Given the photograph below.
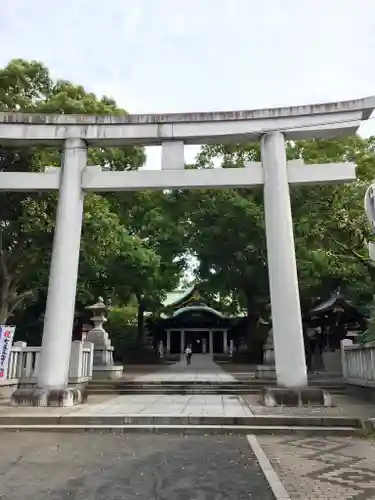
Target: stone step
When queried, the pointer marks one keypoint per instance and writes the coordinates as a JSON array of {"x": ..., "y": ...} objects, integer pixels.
[
  {"x": 171, "y": 393},
  {"x": 186, "y": 429},
  {"x": 191, "y": 387},
  {"x": 172, "y": 383},
  {"x": 182, "y": 392},
  {"x": 325, "y": 421},
  {"x": 187, "y": 389},
  {"x": 188, "y": 384},
  {"x": 171, "y": 386},
  {"x": 125, "y": 385}
]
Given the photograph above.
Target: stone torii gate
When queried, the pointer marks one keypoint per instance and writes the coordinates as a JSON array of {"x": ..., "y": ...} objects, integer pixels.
[{"x": 172, "y": 131}]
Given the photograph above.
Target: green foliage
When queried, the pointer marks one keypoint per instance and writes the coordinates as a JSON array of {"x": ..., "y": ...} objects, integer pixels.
[
  {"x": 330, "y": 225},
  {"x": 27, "y": 220},
  {"x": 136, "y": 246},
  {"x": 118, "y": 257},
  {"x": 122, "y": 327},
  {"x": 121, "y": 316},
  {"x": 226, "y": 228},
  {"x": 153, "y": 220},
  {"x": 369, "y": 334}
]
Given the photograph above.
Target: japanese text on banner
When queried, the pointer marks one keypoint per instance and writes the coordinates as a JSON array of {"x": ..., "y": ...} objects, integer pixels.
[{"x": 6, "y": 341}]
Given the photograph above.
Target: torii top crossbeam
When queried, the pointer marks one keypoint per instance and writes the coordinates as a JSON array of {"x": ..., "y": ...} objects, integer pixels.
[{"x": 296, "y": 122}]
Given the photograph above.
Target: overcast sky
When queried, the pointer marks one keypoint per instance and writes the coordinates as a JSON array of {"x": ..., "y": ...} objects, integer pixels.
[{"x": 199, "y": 55}]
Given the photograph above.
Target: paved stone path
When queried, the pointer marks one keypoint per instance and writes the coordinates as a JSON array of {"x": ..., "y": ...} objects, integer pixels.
[
  {"x": 191, "y": 405},
  {"x": 323, "y": 469},
  {"x": 202, "y": 369},
  {"x": 131, "y": 405},
  {"x": 184, "y": 405},
  {"x": 142, "y": 467}
]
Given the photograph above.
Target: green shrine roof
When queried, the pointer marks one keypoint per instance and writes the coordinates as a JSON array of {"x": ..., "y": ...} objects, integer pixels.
[
  {"x": 177, "y": 296},
  {"x": 337, "y": 300},
  {"x": 198, "y": 308}
]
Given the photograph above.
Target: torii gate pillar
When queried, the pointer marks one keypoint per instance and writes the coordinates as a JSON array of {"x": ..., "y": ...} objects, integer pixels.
[
  {"x": 289, "y": 348},
  {"x": 56, "y": 343}
]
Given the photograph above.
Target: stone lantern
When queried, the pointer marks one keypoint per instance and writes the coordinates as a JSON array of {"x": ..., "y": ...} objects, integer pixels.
[
  {"x": 268, "y": 350},
  {"x": 103, "y": 350},
  {"x": 267, "y": 369}
]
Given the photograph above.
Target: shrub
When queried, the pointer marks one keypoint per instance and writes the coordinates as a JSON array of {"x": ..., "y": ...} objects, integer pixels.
[{"x": 123, "y": 331}]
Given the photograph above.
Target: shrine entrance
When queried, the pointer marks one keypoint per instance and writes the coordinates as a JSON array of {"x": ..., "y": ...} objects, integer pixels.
[
  {"x": 198, "y": 341},
  {"x": 188, "y": 320}
]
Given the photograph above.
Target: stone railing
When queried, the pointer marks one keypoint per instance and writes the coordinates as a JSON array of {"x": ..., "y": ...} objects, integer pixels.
[
  {"x": 81, "y": 361},
  {"x": 24, "y": 360},
  {"x": 358, "y": 363}
]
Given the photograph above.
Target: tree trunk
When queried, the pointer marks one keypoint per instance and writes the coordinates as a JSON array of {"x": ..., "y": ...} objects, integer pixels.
[
  {"x": 10, "y": 301},
  {"x": 140, "y": 321},
  {"x": 5, "y": 282},
  {"x": 4, "y": 313},
  {"x": 254, "y": 336},
  {"x": 4, "y": 301},
  {"x": 308, "y": 343}
]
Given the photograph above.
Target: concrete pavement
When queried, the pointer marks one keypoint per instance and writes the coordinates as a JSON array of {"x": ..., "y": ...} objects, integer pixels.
[
  {"x": 113, "y": 467},
  {"x": 135, "y": 467}
]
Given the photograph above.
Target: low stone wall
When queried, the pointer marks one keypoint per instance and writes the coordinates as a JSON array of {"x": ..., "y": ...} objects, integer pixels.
[
  {"x": 358, "y": 363},
  {"x": 360, "y": 392}
]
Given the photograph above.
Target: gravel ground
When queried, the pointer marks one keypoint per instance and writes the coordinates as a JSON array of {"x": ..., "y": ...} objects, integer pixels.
[{"x": 143, "y": 467}]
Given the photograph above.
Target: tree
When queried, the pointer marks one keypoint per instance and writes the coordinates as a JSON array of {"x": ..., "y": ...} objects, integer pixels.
[
  {"x": 226, "y": 229},
  {"x": 225, "y": 233},
  {"x": 130, "y": 241},
  {"x": 151, "y": 217},
  {"x": 27, "y": 221},
  {"x": 122, "y": 324},
  {"x": 331, "y": 228}
]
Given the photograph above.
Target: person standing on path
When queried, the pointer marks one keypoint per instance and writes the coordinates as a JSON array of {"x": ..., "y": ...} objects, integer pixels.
[{"x": 188, "y": 354}]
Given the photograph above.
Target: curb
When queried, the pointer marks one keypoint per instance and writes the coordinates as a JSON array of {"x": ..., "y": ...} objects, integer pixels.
[
  {"x": 269, "y": 472},
  {"x": 182, "y": 429}
]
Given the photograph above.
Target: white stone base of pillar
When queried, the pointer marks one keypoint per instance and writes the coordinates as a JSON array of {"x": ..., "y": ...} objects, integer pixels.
[
  {"x": 8, "y": 387},
  {"x": 107, "y": 372},
  {"x": 307, "y": 396},
  {"x": 265, "y": 372},
  {"x": 103, "y": 368},
  {"x": 103, "y": 355},
  {"x": 47, "y": 397}
]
